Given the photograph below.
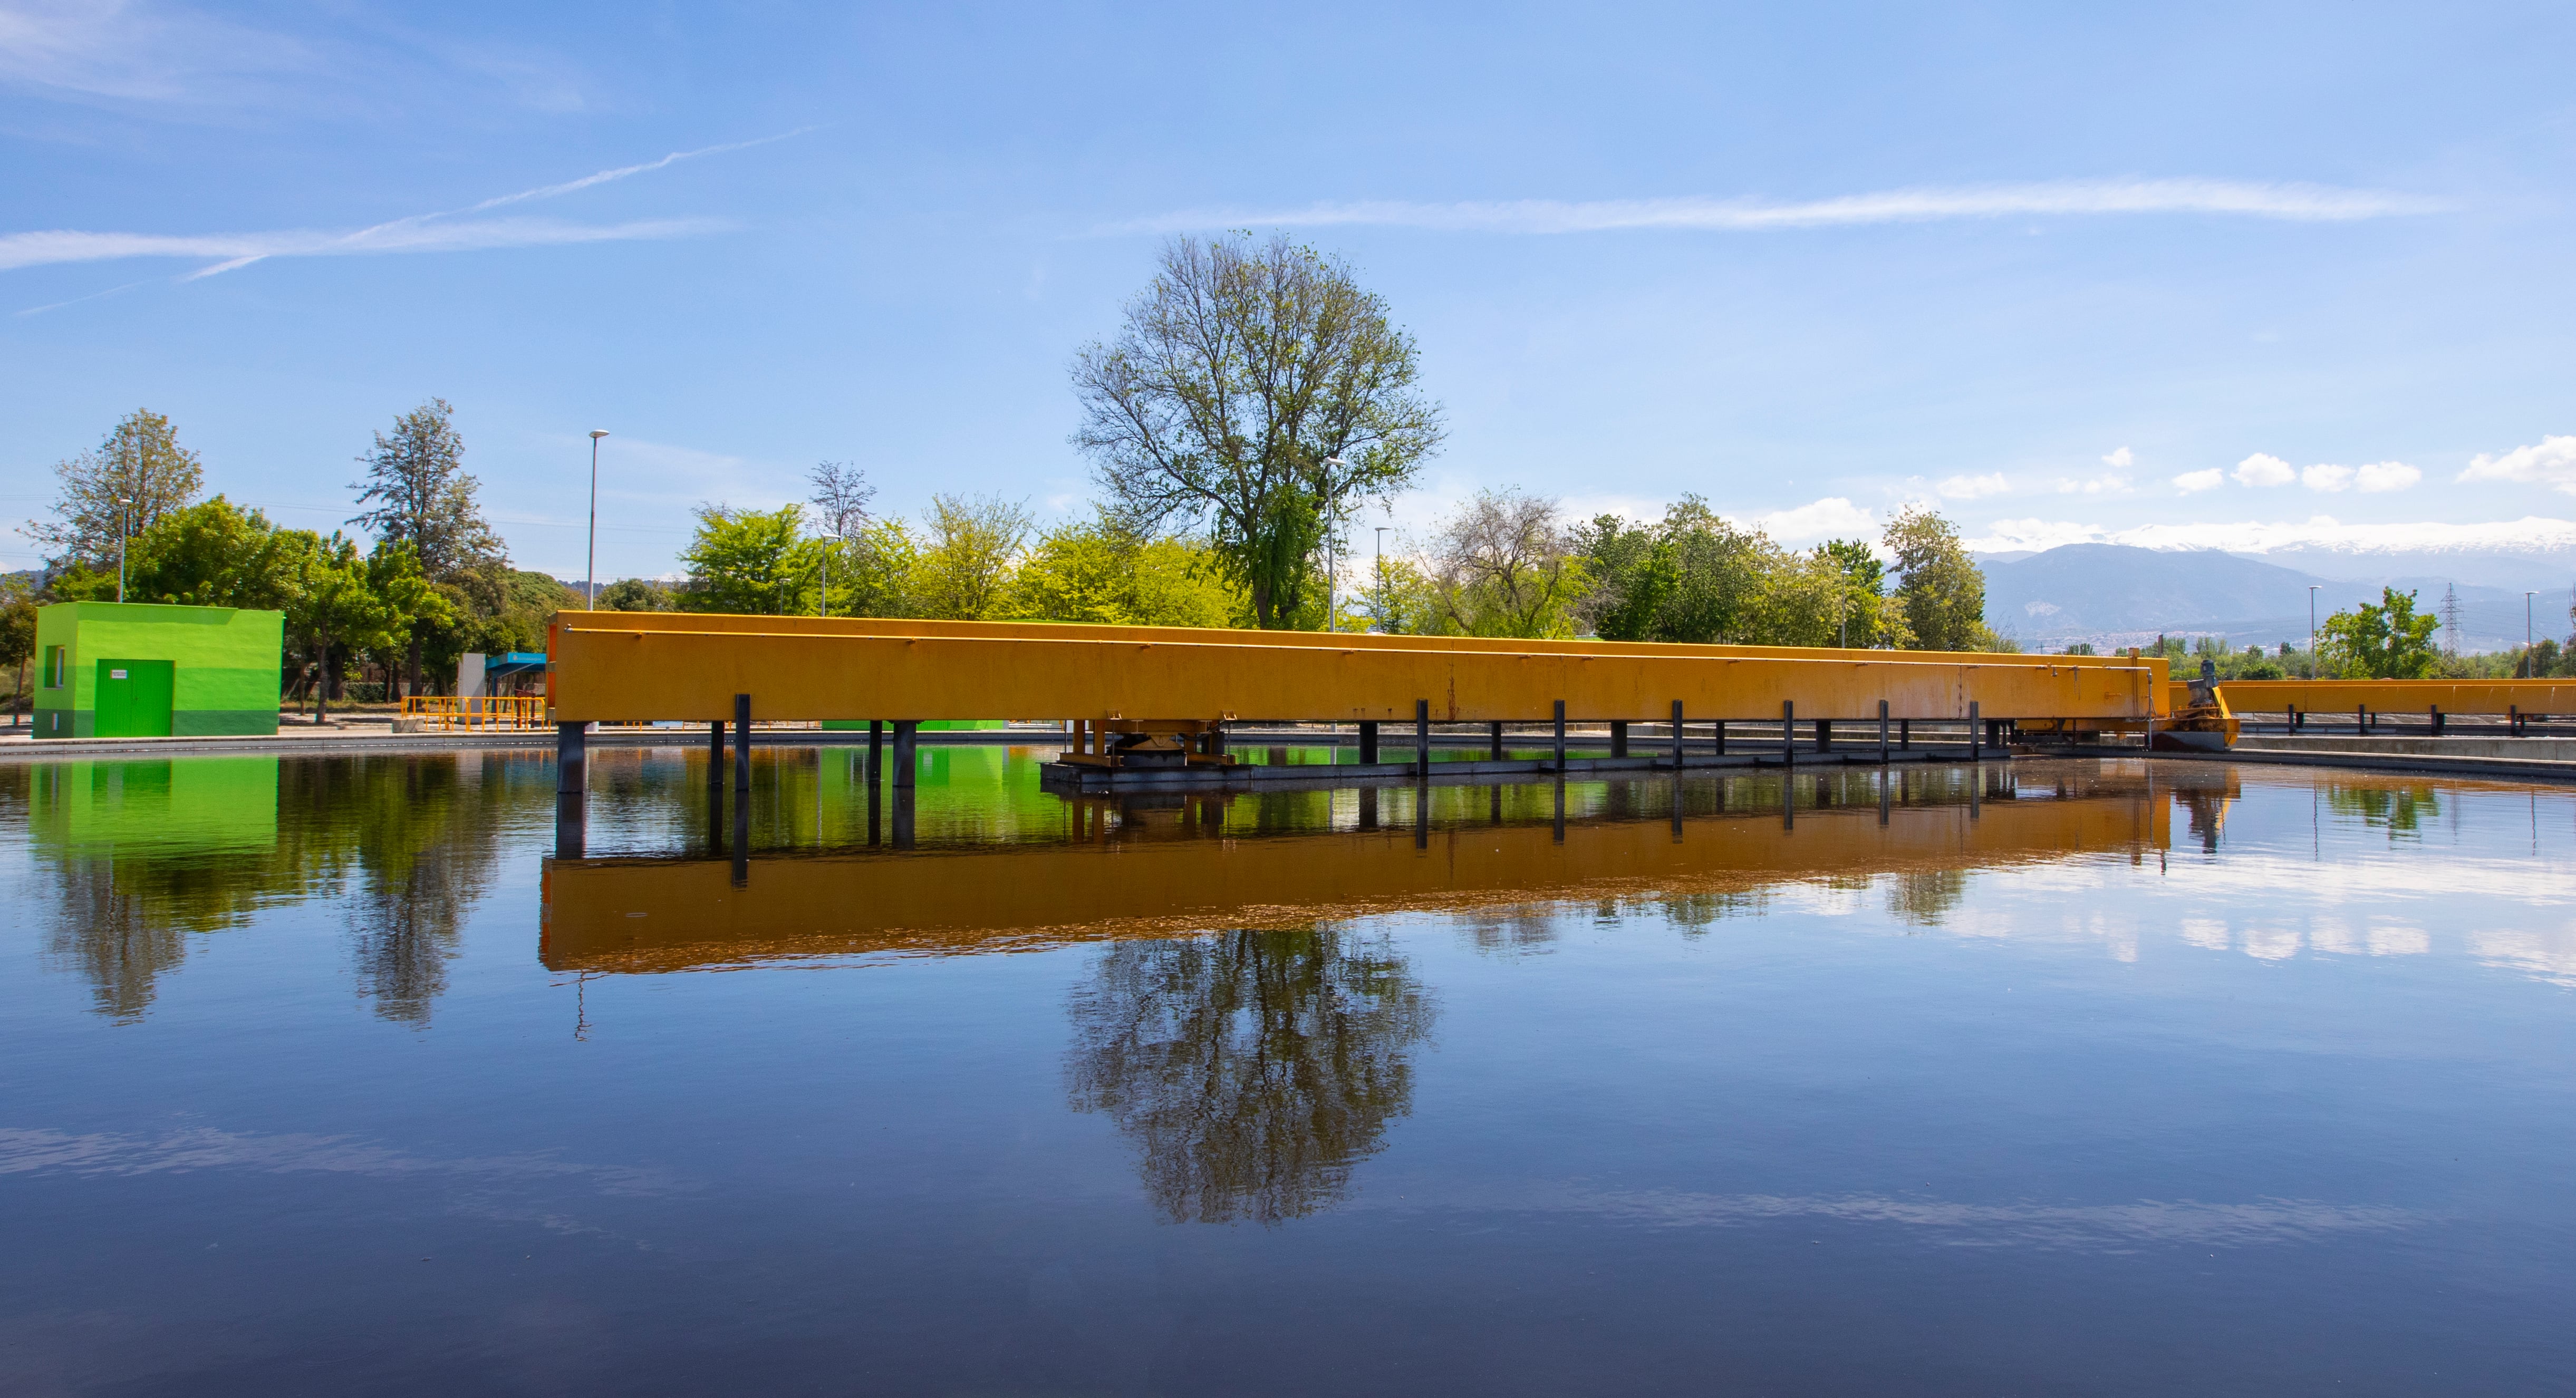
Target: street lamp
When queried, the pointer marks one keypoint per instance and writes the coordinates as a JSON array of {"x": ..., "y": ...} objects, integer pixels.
[
  {"x": 125, "y": 531},
  {"x": 1332, "y": 551},
  {"x": 590, "y": 581},
  {"x": 2529, "y": 670},
  {"x": 2312, "y": 632}
]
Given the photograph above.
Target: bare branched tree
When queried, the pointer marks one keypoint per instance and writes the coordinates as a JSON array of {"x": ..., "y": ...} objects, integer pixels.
[
  {"x": 841, "y": 496},
  {"x": 1259, "y": 393},
  {"x": 1504, "y": 565},
  {"x": 135, "y": 476}
]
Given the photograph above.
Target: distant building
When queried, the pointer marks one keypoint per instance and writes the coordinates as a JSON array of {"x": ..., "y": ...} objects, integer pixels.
[{"x": 140, "y": 670}]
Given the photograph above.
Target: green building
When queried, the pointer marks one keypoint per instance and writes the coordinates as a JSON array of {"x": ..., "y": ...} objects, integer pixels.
[{"x": 139, "y": 670}]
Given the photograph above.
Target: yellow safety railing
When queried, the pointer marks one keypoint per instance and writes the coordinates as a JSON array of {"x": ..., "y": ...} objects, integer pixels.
[{"x": 448, "y": 712}]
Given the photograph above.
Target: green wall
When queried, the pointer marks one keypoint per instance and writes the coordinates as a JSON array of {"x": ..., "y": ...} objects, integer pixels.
[{"x": 225, "y": 664}]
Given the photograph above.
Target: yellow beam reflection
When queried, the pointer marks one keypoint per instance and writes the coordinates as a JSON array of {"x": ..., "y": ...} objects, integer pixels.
[{"x": 1155, "y": 877}]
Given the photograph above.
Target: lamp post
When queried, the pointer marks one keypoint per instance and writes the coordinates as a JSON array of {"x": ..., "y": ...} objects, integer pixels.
[
  {"x": 2312, "y": 631},
  {"x": 1332, "y": 551},
  {"x": 124, "y": 531},
  {"x": 1381, "y": 562},
  {"x": 590, "y": 580}
]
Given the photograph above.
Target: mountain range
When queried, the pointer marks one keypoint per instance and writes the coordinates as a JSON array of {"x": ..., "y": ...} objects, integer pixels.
[{"x": 2118, "y": 595}]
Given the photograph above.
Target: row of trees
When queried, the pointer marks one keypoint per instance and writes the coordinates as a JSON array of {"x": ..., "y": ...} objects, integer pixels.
[{"x": 434, "y": 583}]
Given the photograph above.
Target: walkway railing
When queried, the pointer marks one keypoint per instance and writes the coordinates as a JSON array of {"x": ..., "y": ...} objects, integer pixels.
[{"x": 449, "y": 713}]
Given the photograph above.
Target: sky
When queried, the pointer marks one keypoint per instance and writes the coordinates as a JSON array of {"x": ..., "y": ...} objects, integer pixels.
[{"x": 2176, "y": 274}]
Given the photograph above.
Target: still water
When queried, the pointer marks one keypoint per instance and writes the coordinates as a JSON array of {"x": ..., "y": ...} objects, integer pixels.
[{"x": 328, "y": 1075}]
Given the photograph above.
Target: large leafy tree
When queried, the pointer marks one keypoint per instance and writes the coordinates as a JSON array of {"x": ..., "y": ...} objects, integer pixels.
[
  {"x": 1941, "y": 593},
  {"x": 749, "y": 562},
  {"x": 122, "y": 487},
  {"x": 1103, "y": 570},
  {"x": 2383, "y": 640},
  {"x": 1692, "y": 578},
  {"x": 418, "y": 494},
  {"x": 214, "y": 554},
  {"x": 1260, "y": 393},
  {"x": 17, "y": 638},
  {"x": 966, "y": 561}
]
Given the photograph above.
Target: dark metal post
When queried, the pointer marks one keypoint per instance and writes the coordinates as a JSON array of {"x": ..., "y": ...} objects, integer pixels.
[
  {"x": 570, "y": 826},
  {"x": 907, "y": 737},
  {"x": 1976, "y": 753},
  {"x": 1618, "y": 737},
  {"x": 1368, "y": 741},
  {"x": 2437, "y": 720},
  {"x": 1422, "y": 738},
  {"x": 1884, "y": 787},
  {"x": 1677, "y": 749},
  {"x": 2294, "y": 718},
  {"x": 715, "y": 753},
  {"x": 741, "y": 842},
  {"x": 2513, "y": 720},
  {"x": 1788, "y": 733},
  {"x": 876, "y": 749},
  {"x": 1368, "y": 808},
  {"x": 1824, "y": 735},
  {"x": 571, "y": 748},
  {"x": 1560, "y": 752},
  {"x": 2360, "y": 720},
  {"x": 1720, "y": 726},
  {"x": 1560, "y": 806},
  {"x": 1494, "y": 737},
  {"x": 1904, "y": 734},
  {"x": 903, "y": 796},
  {"x": 1882, "y": 732},
  {"x": 742, "y": 742}
]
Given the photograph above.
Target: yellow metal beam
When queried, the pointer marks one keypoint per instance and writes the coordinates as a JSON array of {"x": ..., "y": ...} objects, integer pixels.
[
  {"x": 2401, "y": 696},
  {"x": 659, "y": 665}
]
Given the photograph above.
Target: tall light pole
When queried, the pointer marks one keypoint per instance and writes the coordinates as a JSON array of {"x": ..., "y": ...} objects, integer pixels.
[
  {"x": 590, "y": 582},
  {"x": 125, "y": 530},
  {"x": 1332, "y": 551},
  {"x": 2312, "y": 631}
]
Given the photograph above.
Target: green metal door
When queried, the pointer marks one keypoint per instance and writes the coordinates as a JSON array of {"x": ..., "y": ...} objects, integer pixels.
[{"x": 134, "y": 699}]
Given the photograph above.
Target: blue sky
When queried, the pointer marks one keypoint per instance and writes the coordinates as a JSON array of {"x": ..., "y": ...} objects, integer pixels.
[{"x": 2181, "y": 274}]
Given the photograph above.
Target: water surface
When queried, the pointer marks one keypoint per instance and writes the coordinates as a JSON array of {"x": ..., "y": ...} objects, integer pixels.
[{"x": 329, "y": 1075}]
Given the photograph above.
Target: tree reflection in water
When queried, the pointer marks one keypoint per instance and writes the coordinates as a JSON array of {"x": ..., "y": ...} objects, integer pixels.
[{"x": 1250, "y": 1069}]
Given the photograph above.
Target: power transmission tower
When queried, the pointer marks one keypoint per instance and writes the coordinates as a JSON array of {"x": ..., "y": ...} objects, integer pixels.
[{"x": 2451, "y": 620}]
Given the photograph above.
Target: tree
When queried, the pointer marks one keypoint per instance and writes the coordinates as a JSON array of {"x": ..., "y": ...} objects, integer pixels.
[
  {"x": 1693, "y": 578},
  {"x": 964, "y": 571},
  {"x": 2384, "y": 640},
  {"x": 1258, "y": 393},
  {"x": 1865, "y": 618},
  {"x": 332, "y": 606},
  {"x": 213, "y": 554},
  {"x": 749, "y": 562},
  {"x": 1941, "y": 594},
  {"x": 1104, "y": 571},
  {"x": 410, "y": 605},
  {"x": 422, "y": 497},
  {"x": 841, "y": 496},
  {"x": 140, "y": 461},
  {"x": 635, "y": 595},
  {"x": 17, "y": 638},
  {"x": 1503, "y": 565}
]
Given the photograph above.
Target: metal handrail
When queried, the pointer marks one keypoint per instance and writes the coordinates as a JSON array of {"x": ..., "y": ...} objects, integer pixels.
[{"x": 474, "y": 713}]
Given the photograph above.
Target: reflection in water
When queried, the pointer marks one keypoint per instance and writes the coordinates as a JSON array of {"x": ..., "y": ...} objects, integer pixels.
[
  {"x": 2399, "y": 810},
  {"x": 133, "y": 857},
  {"x": 1250, "y": 1069}
]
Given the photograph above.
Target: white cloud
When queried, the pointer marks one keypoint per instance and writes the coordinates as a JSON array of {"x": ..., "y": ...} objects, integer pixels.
[
  {"x": 1970, "y": 487},
  {"x": 2386, "y": 475},
  {"x": 2191, "y": 482},
  {"x": 2530, "y": 534},
  {"x": 2120, "y": 460},
  {"x": 2551, "y": 462},
  {"x": 2107, "y": 483},
  {"x": 2326, "y": 478},
  {"x": 1833, "y": 517},
  {"x": 2033, "y": 536},
  {"x": 2260, "y": 469},
  {"x": 2300, "y": 202}
]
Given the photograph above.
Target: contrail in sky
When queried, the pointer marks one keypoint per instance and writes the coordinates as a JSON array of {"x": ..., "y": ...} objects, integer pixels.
[{"x": 2056, "y": 198}]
